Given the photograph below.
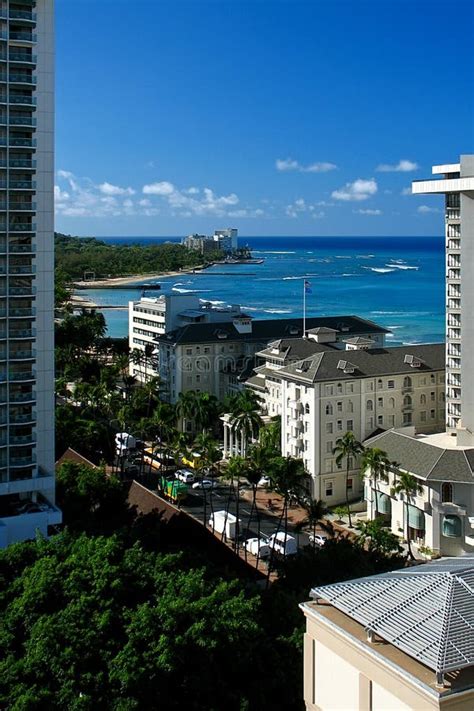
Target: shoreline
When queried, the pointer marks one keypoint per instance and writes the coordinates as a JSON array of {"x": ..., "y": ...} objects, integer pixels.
[{"x": 136, "y": 279}]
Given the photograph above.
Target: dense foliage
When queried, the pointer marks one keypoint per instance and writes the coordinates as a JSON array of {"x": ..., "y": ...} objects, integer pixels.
[{"x": 77, "y": 255}]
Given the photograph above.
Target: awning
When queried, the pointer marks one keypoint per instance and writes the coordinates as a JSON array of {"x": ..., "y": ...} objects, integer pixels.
[
  {"x": 384, "y": 503},
  {"x": 416, "y": 518}
]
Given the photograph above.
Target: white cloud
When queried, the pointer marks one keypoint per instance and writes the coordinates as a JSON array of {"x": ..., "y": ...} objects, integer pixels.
[
  {"x": 358, "y": 190},
  {"x": 425, "y": 209},
  {"x": 193, "y": 201},
  {"x": 403, "y": 166},
  {"x": 162, "y": 188},
  {"x": 406, "y": 191},
  {"x": 300, "y": 206},
  {"x": 289, "y": 164},
  {"x": 109, "y": 189},
  {"x": 368, "y": 212}
]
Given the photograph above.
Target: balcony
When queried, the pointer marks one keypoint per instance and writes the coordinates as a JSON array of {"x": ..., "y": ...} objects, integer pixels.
[
  {"x": 22, "y": 227},
  {"x": 21, "y": 121},
  {"x": 21, "y": 142},
  {"x": 21, "y": 419},
  {"x": 20, "y": 36},
  {"x": 23, "y": 269},
  {"x": 23, "y": 206},
  {"x": 23, "y": 439},
  {"x": 22, "y": 291},
  {"x": 23, "y": 163},
  {"x": 22, "y": 312},
  {"x": 21, "y": 100},
  {"x": 21, "y": 184},
  {"x": 21, "y": 57},
  {"x": 21, "y": 248},
  {"x": 22, "y": 354},
  {"x": 22, "y": 376},
  {"x": 22, "y": 79},
  {"x": 25, "y": 15},
  {"x": 27, "y": 461},
  {"x": 22, "y": 397}
]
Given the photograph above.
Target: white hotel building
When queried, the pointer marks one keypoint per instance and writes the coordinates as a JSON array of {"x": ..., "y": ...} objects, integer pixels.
[{"x": 26, "y": 270}]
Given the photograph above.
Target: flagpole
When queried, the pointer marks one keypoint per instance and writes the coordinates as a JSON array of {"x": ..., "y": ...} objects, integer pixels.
[{"x": 304, "y": 308}]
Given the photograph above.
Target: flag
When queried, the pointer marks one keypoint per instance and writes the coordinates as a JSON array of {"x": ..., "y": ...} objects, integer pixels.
[{"x": 307, "y": 287}]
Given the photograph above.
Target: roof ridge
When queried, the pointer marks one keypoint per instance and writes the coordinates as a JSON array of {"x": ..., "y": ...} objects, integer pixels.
[{"x": 443, "y": 451}]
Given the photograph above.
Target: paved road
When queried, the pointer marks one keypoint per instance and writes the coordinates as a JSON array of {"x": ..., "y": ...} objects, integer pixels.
[{"x": 223, "y": 499}]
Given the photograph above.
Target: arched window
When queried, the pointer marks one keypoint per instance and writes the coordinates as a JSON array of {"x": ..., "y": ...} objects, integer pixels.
[
  {"x": 379, "y": 383},
  {"x": 422, "y": 399},
  {"x": 306, "y": 409},
  {"x": 452, "y": 527},
  {"x": 407, "y": 382},
  {"x": 391, "y": 403},
  {"x": 407, "y": 401},
  {"x": 329, "y": 409},
  {"x": 370, "y": 405},
  {"x": 447, "y": 492}
]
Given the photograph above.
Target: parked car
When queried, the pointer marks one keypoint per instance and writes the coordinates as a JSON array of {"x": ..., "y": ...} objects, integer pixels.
[
  {"x": 264, "y": 481},
  {"x": 204, "y": 484},
  {"x": 319, "y": 539},
  {"x": 257, "y": 546},
  {"x": 185, "y": 475}
]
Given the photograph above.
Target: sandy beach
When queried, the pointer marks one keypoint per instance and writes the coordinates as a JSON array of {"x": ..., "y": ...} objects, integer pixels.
[{"x": 123, "y": 281}]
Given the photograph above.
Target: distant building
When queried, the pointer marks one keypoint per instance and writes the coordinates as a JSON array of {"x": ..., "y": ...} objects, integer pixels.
[
  {"x": 228, "y": 238},
  {"x": 224, "y": 241},
  {"x": 151, "y": 317},
  {"x": 322, "y": 391},
  {"x": 400, "y": 641}
]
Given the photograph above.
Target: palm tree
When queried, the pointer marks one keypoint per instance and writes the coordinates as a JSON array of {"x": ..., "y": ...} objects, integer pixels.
[
  {"x": 236, "y": 468},
  {"x": 315, "y": 510},
  {"x": 409, "y": 486},
  {"x": 347, "y": 447},
  {"x": 270, "y": 436},
  {"x": 186, "y": 407},
  {"x": 256, "y": 467},
  {"x": 206, "y": 410},
  {"x": 375, "y": 467},
  {"x": 245, "y": 419},
  {"x": 210, "y": 456},
  {"x": 287, "y": 475}
]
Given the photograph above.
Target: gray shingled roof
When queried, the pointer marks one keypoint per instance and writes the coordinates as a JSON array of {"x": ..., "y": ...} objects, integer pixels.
[
  {"x": 426, "y": 460},
  {"x": 373, "y": 362},
  {"x": 293, "y": 349},
  {"x": 426, "y": 611},
  {"x": 268, "y": 329}
]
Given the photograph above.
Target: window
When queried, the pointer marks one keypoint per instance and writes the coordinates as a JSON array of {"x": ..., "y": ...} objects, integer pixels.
[
  {"x": 328, "y": 465},
  {"x": 339, "y": 425},
  {"x": 433, "y": 378},
  {"x": 407, "y": 418},
  {"x": 432, "y": 396},
  {"x": 305, "y": 427},
  {"x": 380, "y": 401},
  {"x": 306, "y": 409},
  {"x": 370, "y": 405},
  {"x": 350, "y": 406},
  {"x": 380, "y": 420},
  {"x": 349, "y": 387},
  {"x": 189, "y": 351},
  {"x": 407, "y": 382},
  {"x": 391, "y": 403},
  {"x": 329, "y": 428},
  {"x": 339, "y": 406},
  {"x": 370, "y": 423},
  {"x": 328, "y": 488},
  {"x": 329, "y": 390},
  {"x": 380, "y": 383},
  {"x": 423, "y": 399},
  {"x": 423, "y": 416},
  {"x": 350, "y": 425},
  {"x": 329, "y": 409},
  {"x": 391, "y": 420},
  {"x": 198, "y": 378},
  {"x": 349, "y": 484},
  {"x": 407, "y": 401},
  {"x": 432, "y": 414},
  {"x": 207, "y": 349},
  {"x": 339, "y": 388},
  {"x": 447, "y": 492},
  {"x": 339, "y": 465},
  {"x": 329, "y": 446},
  {"x": 391, "y": 384},
  {"x": 452, "y": 527}
]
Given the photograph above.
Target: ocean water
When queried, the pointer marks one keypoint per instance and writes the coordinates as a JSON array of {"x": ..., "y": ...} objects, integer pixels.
[{"x": 396, "y": 281}]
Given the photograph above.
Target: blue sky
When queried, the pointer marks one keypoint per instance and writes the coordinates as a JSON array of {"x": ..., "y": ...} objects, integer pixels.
[{"x": 278, "y": 117}]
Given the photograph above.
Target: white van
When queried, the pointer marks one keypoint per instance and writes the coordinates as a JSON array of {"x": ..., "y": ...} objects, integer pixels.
[{"x": 283, "y": 544}]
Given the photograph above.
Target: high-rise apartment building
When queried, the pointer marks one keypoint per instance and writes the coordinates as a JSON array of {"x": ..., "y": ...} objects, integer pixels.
[
  {"x": 26, "y": 269},
  {"x": 457, "y": 184}
]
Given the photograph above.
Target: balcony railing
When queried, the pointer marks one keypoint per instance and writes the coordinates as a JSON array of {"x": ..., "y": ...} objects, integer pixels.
[
  {"x": 21, "y": 142},
  {"x": 22, "y": 419},
  {"x": 22, "y": 354},
  {"x": 21, "y": 163},
  {"x": 23, "y": 36},
  {"x": 22, "y": 99},
  {"x": 22, "y": 206},
  {"x": 23, "y": 439},
  {"x": 26, "y": 57},
  {"x": 22, "y": 184},
  {"x": 22, "y": 79},
  {"x": 22, "y": 15},
  {"x": 22, "y": 376},
  {"x": 21, "y": 312},
  {"x": 22, "y": 461},
  {"x": 22, "y": 290},
  {"x": 21, "y": 333},
  {"x": 22, "y": 121},
  {"x": 21, "y": 248},
  {"x": 22, "y": 227},
  {"x": 22, "y": 269},
  {"x": 22, "y": 397}
]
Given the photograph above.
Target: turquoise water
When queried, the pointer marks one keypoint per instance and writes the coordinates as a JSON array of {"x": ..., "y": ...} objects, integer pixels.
[{"x": 397, "y": 282}]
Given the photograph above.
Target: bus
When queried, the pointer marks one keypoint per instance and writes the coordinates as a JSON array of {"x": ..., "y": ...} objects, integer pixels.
[{"x": 157, "y": 459}]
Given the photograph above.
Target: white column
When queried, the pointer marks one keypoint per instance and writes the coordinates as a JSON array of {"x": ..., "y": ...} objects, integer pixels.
[
  {"x": 231, "y": 434},
  {"x": 226, "y": 437}
]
